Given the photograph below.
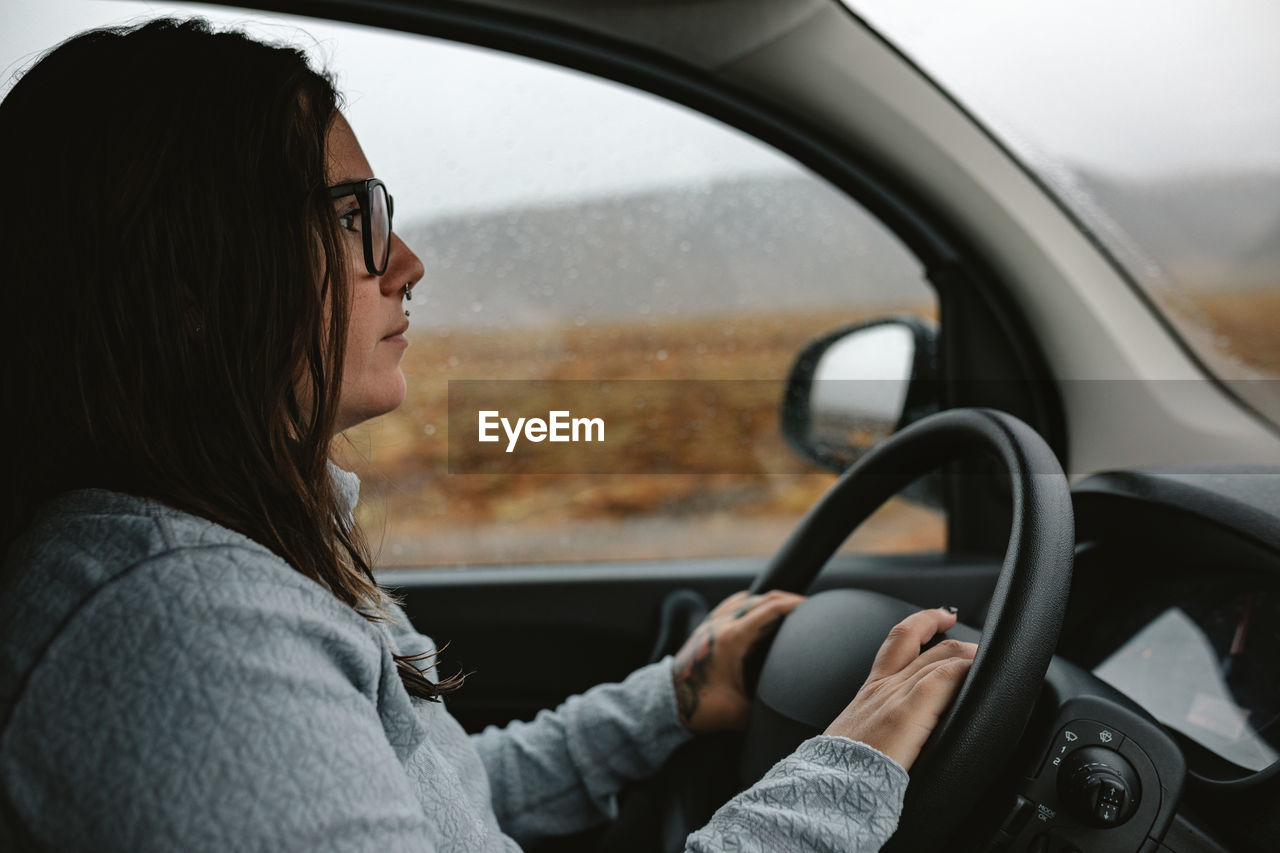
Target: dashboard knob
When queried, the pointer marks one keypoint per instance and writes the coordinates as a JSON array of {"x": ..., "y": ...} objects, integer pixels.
[{"x": 1099, "y": 786}]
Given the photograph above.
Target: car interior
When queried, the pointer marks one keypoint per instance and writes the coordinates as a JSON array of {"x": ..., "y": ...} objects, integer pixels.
[{"x": 1109, "y": 503}]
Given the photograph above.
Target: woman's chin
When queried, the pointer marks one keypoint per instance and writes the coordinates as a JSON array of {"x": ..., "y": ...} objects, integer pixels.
[{"x": 369, "y": 404}]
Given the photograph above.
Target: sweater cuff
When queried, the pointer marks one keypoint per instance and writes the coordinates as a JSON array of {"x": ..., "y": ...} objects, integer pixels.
[
  {"x": 656, "y": 677},
  {"x": 857, "y": 751},
  {"x": 832, "y": 795}
]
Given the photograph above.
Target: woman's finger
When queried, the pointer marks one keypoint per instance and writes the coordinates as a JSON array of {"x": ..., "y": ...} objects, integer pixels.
[
  {"x": 768, "y": 610},
  {"x": 741, "y": 603},
  {"x": 950, "y": 648},
  {"x": 731, "y": 603},
  {"x": 902, "y": 646},
  {"x": 937, "y": 684}
]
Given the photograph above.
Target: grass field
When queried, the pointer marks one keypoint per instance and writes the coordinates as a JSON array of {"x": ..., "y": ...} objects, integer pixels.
[
  {"x": 1238, "y": 335},
  {"x": 1244, "y": 325}
]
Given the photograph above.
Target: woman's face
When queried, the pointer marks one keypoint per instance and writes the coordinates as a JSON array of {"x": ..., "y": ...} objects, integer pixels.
[{"x": 372, "y": 383}]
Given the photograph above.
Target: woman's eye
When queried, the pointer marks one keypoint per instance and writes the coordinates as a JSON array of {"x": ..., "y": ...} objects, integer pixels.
[{"x": 350, "y": 219}]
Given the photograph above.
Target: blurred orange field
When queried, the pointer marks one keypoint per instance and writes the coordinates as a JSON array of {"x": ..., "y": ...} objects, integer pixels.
[
  {"x": 1245, "y": 325},
  {"x": 416, "y": 513},
  {"x": 1237, "y": 333}
]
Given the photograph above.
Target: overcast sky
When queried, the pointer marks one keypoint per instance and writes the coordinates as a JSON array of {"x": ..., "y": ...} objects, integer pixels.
[
  {"x": 453, "y": 126},
  {"x": 1136, "y": 88}
]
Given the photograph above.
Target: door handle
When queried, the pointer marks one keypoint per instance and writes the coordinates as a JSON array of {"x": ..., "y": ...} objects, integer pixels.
[{"x": 682, "y": 611}]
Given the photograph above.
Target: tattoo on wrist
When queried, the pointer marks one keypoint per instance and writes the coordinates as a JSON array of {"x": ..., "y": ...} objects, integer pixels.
[{"x": 689, "y": 671}]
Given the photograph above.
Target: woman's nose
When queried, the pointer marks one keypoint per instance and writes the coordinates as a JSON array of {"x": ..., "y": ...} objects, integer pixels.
[{"x": 403, "y": 267}]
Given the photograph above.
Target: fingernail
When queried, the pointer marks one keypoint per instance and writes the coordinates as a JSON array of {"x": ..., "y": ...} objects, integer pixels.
[{"x": 952, "y": 610}]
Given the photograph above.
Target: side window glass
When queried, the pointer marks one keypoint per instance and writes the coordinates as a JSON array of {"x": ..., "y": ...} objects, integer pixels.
[
  {"x": 590, "y": 232},
  {"x": 594, "y": 249}
]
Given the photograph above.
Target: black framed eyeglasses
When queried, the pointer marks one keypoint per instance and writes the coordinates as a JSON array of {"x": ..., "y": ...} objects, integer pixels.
[{"x": 376, "y": 209}]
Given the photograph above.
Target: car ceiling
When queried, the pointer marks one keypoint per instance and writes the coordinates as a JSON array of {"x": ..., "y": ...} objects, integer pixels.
[{"x": 704, "y": 33}]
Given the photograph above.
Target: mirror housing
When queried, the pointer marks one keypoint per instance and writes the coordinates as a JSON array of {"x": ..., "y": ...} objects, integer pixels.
[{"x": 857, "y": 385}]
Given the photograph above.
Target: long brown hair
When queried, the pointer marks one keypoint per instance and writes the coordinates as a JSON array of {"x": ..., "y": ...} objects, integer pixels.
[{"x": 176, "y": 300}]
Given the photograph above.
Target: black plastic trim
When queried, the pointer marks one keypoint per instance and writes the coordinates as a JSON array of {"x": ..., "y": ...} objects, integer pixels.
[{"x": 1242, "y": 499}]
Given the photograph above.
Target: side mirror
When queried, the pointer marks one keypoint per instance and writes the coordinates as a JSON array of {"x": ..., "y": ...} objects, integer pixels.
[{"x": 854, "y": 387}]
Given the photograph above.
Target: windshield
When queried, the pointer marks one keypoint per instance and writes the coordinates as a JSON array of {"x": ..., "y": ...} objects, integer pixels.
[{"x": 1156, "y": 125}]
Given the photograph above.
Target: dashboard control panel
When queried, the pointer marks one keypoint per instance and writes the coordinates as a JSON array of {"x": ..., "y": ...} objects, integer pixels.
[{"x": 1106, "y": 782}]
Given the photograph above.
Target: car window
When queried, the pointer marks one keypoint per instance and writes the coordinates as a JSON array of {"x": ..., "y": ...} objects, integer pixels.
[
  {"x": 1156, "y": 127},
  {"x": 635, "y": 242},
  {"x": 598, "y": 251}
]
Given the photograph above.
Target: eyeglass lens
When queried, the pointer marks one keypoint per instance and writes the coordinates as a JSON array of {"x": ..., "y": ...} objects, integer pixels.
[{"x": 380, "y": 225}]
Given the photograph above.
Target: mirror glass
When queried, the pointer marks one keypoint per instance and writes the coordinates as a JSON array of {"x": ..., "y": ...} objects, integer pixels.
[{"x": 859, "y": 388}]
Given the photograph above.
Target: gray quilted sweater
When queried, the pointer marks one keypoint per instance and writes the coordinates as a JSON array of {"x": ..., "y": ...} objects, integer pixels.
[{"x": 167, "y": 684}]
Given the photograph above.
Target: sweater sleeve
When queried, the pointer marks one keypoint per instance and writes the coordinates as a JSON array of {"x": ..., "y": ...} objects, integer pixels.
[
  {"x": 832, "y": 795},
  {"x": 560, "y": 772},
  {"x": 198, "y": 702}
]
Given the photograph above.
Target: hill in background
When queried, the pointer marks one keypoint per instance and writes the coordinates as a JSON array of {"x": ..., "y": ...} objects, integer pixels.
[{"x": 752, "y": 244}]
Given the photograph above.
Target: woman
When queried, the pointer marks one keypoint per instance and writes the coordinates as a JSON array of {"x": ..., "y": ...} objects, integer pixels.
[{"x": 204, "y": 291}]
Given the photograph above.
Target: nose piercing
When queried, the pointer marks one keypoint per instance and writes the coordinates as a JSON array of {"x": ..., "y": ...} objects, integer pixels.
[{"x": 408, "y": 294}]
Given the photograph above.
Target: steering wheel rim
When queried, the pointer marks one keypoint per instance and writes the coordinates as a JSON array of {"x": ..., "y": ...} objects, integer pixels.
[{"x": 978, "y": 734}]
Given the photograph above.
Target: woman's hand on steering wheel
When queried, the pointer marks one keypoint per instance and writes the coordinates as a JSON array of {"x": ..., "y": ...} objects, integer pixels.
[
  {"x": 711, "y": 695},
  {"x": 907, "y": 691}
]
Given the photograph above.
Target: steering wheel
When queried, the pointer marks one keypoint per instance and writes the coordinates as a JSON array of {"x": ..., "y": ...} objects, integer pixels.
[{"x": 824, "y": 649}]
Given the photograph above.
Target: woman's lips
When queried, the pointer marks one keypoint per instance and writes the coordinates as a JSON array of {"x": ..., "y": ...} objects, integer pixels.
[{"x": 397, "y": 336}]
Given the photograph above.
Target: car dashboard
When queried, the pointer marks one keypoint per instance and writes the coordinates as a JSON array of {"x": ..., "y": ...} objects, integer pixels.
[{"x": 1175, "y": 604}]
